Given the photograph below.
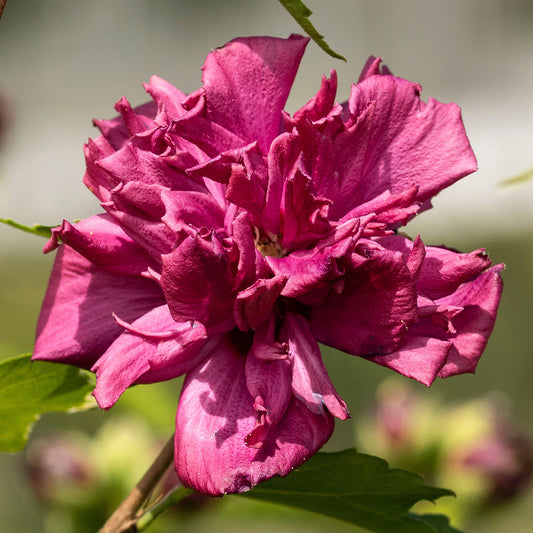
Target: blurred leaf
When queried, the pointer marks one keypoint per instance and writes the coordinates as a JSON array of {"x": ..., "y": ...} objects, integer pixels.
[
  {"x": 440, "y": 523},
  {"x": 301, "y": 13},
  {"x": 520, "y": 178},
  {"x": 36, "y": 229},
  {"x": 357, "y": 488},
  {"x": 28, "y": 389}
]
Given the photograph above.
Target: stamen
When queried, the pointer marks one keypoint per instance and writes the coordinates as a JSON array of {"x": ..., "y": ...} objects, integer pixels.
[{"x": 267, "y": 244}]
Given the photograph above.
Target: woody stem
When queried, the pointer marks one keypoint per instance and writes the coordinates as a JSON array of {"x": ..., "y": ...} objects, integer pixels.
[
  {"x": 2, "y": 5},
  {"x": 123, "y": 519}
]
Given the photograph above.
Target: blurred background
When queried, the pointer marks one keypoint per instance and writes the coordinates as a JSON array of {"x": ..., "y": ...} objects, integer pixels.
[{"x": 64, "y": 63}]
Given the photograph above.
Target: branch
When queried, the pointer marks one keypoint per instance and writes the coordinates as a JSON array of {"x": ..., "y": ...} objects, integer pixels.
[
  {"x": 2, "y": 5},
  {"x": 123, "y": 519},
  {"x": 169, "y": 501}
]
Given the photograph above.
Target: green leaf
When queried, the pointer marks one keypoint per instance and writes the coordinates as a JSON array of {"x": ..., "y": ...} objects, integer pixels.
[
  {"x": 36, "y": 229},
  {"x": 301, "y": 13},
  {"x": 28, "y": 389},
  {"x": 357, "y": 488},
  {"x": 519, "y": 179},
  {"x": 439, "y": 522}
]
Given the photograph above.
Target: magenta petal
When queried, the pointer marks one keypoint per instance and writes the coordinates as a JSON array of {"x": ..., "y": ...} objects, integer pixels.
[
  {"x": 322, "y": 103},
  {"x": 97, "y": 180},
  {"x": 444, "y": 270},
  {"x": 117, "y": 131},
  {"x": 388, "y": 208},
  {"x": 372, "y": 67},
  {"x": 101, "y": 240},
  {"x": 197, "y": 281},
  {"x": 310, "y": 379},
  {"x": 243, "y": 170},
  {"x": 404, "y": 140},
  {"x": 269, "y": 383},
  {"x": 167, "y": 97},
  {"x": 139, "y": 209},
  {"x": 251, "y": 264},
  {"x": 282, "y": 159},
  {"x": 310, "y": 270},
  {"x": 191, "y": 208},
  {"x": 480, "y": 299},
  {"x": 208, "y": 136},
  {"x": 374, "y": 310},
  {"x": 154, "y": 348},
  {"x": 392, "y": 142},
  {"x": 247, "y": 83},
  {"x": 131, "y": 163},
  {"x": 215, "y": 415},
  {"x": 420, "y": 358},
  {"x": 304, "y": 215},
  {"x": 76, "y": 325},
  {"x": 256, "y": 303}
]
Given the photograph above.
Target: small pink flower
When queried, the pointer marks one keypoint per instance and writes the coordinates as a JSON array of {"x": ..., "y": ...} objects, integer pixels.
[{"x": 236, "y": 237}]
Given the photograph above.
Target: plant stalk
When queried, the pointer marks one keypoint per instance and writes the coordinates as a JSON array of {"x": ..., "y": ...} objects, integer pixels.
[
  {"x": 123, "y": 519},
  {"x": 2, "y": 5}
]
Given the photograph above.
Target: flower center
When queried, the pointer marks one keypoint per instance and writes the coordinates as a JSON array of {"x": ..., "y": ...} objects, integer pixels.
[{"x": 267, "y": 244}]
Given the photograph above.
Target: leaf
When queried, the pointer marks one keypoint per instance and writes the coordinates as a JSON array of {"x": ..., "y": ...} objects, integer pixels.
[
  {"x": 301, "y": 13},
  {"x": 36, "y": 229},
  {"x": 439, "y": 522},
  {"x": 28, "y": 389},
  {"x": 357, "y": 488},
  {"x": 519, "y": 179}
]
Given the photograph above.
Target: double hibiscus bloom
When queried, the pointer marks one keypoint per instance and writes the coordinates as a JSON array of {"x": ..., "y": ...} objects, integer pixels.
[{"x": 236, "y": 237}]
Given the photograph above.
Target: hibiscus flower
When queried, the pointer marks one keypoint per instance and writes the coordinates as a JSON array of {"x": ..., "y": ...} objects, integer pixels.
[{"x": 236, "y": 237}]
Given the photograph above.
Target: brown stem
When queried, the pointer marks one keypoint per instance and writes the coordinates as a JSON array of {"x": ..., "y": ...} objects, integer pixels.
[
  {"x": 123, "y": 519},
  {"x": 2, "y": 5}
]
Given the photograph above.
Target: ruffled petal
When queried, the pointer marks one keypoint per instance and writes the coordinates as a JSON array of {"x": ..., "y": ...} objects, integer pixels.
[
  {"x": 457, "y": 305},
  {"x": 268, "y": 378},
  {"x": 215, "y": 415},
  {"x": 322, "y": 103},
  {"x": 168, "y": 99},
  {"x": 304, "y": 216},
  {"x": 392, "y": 142},
  {"x": 197, "y": 281},
  {"x": 444, "y": 270},
  {"x": 133, "y": 162},
  {"x": 103, "y": 242},
  {"x": 256, "y": 303},
  {"x": 247, "y": 83},
  {"x": 420, "y": 358},
  {"x": 405, "y": 140},
  {"x": 139, "y": 209},
  {"x": 191, "y": 209},
  {"x": 76, "y": 323},
  {"x": 372, "y": 312},
  {"x": 118, "y": 131},
  {"x": 310, "y": 379},
  {"x": 479, "y": 299},
  {"x": 210, "y": 137},
  {"x": 309, "y": 271},
  {"x": 153, "y": 348}
]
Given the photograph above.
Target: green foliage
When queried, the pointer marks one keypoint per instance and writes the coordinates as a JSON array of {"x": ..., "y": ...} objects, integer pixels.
[
  {"x": 440, "y": 523},
  {"x": 28, "y": 389},
  {"x": 359, "y": 489},
  {"x": 520, "y": 179},
  {"x": 301, "y": 13},
  {"x": 36, "y": 229}
]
